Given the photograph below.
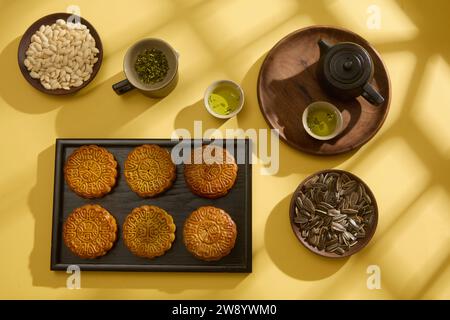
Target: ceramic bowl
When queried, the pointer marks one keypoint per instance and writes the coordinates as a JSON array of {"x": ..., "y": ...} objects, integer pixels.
[
  {"x": 361, "y": 243},
  {"x": 330, "y": 107},
  {"x": 25, "y": 43},
  {"x": 216, "y": 85}
]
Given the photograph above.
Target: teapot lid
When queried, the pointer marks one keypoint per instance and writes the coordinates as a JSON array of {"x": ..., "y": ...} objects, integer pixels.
[{"x": 348, "y": 65}]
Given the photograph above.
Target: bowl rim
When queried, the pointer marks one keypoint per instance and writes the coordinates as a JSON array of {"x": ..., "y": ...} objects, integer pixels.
[
  {"x": 26, "y": 40},
  {"x": 215, "y": 85},
  {"x": 339, "y": 125},
  {"x": 163, "y": 84},
  {"x": 297, "y": 231}
]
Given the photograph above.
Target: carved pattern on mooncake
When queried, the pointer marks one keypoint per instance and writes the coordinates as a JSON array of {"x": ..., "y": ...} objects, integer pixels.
[
  {"x": 91, "y": 171},
  {"x": 149, "y": 170},
  {"x": 211, "y": 173},
  {"x": 148, "y": 231},
  {"x": 209, "y": 233},
  {"x": 90, "y": 231}
]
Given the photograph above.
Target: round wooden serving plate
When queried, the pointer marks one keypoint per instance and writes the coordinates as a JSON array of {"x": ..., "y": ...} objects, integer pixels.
[
  {"x": 362, "y": 242},
  {"x": 287, "y": 84},
  {"x": 25, "y": 43}
]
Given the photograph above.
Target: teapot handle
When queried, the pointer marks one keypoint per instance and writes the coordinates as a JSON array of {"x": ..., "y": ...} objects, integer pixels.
[{"x": 372, "y": 95}]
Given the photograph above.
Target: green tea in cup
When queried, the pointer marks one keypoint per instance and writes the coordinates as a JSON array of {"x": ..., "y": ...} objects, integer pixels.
[
  {"x": 224, "y": 99},
  {"x": 322, "y": 120}
]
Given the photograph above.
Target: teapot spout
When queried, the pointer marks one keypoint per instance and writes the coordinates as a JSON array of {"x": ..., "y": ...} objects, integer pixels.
[{"x": 324, "y": 47}]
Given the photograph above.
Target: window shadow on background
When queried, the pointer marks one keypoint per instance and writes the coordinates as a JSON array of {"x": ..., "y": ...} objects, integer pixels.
[{"x": 283, "y": 248}]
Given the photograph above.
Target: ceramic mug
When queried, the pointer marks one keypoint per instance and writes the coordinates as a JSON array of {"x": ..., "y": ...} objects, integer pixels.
[{"x": 132, "y": 81}]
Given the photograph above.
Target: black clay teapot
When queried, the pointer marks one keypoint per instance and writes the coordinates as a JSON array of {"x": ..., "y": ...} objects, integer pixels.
[{"x": 345, "y": 71}]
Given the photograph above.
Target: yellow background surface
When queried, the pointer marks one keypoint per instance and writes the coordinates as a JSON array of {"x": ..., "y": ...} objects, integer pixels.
[{"x": 406, "y": 165}]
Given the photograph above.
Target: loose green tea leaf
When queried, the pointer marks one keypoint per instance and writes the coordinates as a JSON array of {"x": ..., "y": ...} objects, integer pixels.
[{"x": 151, "y": 66}]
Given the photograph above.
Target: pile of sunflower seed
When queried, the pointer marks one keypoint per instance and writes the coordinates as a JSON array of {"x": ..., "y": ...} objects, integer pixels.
[{"x": 333, "y": 212}]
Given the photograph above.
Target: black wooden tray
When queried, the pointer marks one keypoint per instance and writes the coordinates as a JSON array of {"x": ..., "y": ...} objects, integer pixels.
[{"x": 179, "y": 201}]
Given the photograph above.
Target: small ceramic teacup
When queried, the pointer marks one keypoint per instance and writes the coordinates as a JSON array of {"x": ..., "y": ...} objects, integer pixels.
[
  {"x": 223, "y": 90},
  {"x": 327, "y": 111},
  {"x": 132, "y": 81}
]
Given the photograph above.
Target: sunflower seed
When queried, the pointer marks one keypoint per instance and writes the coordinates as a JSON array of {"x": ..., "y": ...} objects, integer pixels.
[
  {"x": 299, "y": 202},
  {"x": 360, "y": 191},
  {"x": 334, "y": 212},
  {"x": 332, "y": 247},
  {"x": 305, "y": 213},
  {"x": 322, "y": 235},
  {"x": 337, "y": 226},
  {"x": 322, "y": 207},
  {"x": 344, "y": 240},
  {"x": 349, "y": 236},
  {"x": 318, "y": 196},
  {"x": 354, "y": 198},
  {"x": 353, "y": 243},
  {"x": 340, "y": 218},
  {"x": 361, "y": 234},
  {"x": 347, "y": 192},
  {"x": 327, "y": 205},
  {"x": 354, "y": 224},
  {"x": 350, "y": 184},
  {"x": 349, "y": 211},
  {"x": 366, "y": 196},
  {"x": 320, "y": 185},
  {"x": 309, "y": 205},
  {"x": 320, "y": 212},
  {"x": 339, "y": 183},
  {"x": 345, "y": 178},
  {"x": 312, "y": 181},
  {"x": 301, "y": 220}
]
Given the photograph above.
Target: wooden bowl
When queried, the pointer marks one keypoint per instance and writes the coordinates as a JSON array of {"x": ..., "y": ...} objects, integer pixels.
[
  {"x": 25, "y": 43},
  {"x": 361, "y": 243}
]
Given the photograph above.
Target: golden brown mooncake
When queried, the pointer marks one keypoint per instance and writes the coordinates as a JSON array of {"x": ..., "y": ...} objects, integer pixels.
[
  {"x": 211, "y": 173},
  {"x": 91, "y": 171},
  {"x": 209, "y": 233},
  {"x": 149, "y": 170},
  {"x": 148, "y": 231},
  {"x": 90, "y": 231}
]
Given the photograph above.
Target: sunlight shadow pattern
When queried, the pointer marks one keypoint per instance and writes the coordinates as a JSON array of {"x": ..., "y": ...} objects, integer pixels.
[{"x": 222, "y": 48}]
